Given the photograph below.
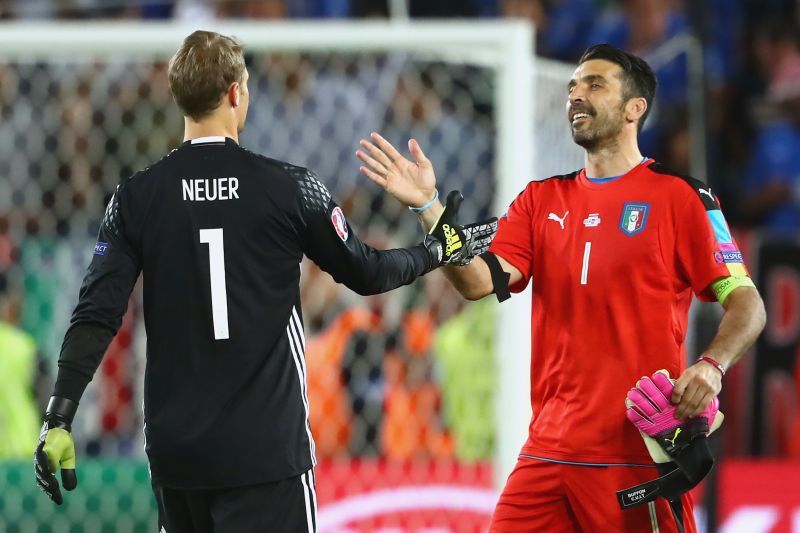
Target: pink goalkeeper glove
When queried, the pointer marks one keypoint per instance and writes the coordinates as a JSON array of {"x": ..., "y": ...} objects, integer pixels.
[{"x": 651, "y": 411}]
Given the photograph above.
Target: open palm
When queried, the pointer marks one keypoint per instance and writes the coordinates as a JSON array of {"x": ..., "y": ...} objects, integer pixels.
[{"x": 411, "y": 182}]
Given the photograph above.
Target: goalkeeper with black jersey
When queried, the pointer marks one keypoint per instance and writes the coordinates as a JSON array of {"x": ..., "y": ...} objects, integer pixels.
[{"x": 218, "y": 233}]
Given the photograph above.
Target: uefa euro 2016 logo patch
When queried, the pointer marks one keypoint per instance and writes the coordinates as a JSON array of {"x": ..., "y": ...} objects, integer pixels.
[
  {"x": 634, "y": 217},
  {"x": 339, "y": 223}
]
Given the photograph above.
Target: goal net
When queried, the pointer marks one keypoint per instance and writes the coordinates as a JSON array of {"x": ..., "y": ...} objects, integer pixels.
[{"x": 415, "y": 415}]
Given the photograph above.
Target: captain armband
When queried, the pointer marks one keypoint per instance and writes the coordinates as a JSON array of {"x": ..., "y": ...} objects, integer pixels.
[
  {"x": 724, "y": 286},
  {"x": 499, "y": 276}
]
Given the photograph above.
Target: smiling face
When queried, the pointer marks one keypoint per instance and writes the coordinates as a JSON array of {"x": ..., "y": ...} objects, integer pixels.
[{"x": 596, "y": 108}]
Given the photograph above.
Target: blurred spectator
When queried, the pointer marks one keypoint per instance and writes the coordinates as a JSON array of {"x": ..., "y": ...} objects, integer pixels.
[
  {"x": 430, "y": 106},
  {"x": 640, "y": 27},
  {"x": 772, "y": 185},
  {"x": 464, "y": 353},
  {"x": 331, "y": 414},
  {"x": 441, "y": 8},
  {"x": 562, "y": 26},
  {"x": 412, "y": 423},
  {"x": 369, "y": 8},
  {"x": 19, "y": 414},
  {"x": 261, "y": 9}
]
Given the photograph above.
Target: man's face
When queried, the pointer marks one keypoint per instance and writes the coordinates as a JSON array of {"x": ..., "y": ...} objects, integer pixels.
[
  {"x": 244, "y": 101},
  {"x": 595, "y": 109}
]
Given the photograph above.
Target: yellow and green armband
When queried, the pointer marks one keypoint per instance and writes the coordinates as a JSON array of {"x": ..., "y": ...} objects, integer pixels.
[{"x": 724, "y": 286}]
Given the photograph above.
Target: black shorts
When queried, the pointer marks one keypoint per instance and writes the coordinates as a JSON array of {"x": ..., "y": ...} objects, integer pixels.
[{"x": 288, "y": 506}]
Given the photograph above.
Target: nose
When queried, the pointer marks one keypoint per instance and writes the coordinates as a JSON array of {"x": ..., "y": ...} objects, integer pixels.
[{"x": 577, "y": 96}]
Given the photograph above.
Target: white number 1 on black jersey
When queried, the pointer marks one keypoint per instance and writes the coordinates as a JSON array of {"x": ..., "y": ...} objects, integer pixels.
[{"x": 219, "y": 294}]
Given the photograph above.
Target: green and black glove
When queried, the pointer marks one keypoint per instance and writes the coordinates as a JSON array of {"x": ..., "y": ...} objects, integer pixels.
[
  {"x": 452, "y": 244},
  {"x": 56, "y": 449}
]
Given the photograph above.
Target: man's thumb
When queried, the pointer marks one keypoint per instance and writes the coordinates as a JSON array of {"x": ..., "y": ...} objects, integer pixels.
[{"x": 68, "y": 478}]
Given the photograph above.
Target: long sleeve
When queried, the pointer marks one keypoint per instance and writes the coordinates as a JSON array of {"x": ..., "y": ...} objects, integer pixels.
[
  {"x": 102, "y": 303},
  {"x": 332, "y": 244}
]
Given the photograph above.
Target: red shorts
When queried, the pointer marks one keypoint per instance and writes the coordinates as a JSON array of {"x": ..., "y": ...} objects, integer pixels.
[{"x": 555, "y": 497}]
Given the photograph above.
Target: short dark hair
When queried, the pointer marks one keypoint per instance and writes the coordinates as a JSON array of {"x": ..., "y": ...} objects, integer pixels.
[
  {"x": 638, "y": 79},
  {"x": 202, "y": 70}
]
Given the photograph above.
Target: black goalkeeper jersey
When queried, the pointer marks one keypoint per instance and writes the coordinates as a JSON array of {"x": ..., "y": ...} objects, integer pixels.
[{"x": 218, "y": 233}]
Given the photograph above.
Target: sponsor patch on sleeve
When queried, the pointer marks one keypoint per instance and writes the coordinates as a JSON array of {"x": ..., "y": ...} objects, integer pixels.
[
  {"x": 101, "y": 248},
  {"x": 339, "y": 223},
  {"x": 728, "y": 256}
]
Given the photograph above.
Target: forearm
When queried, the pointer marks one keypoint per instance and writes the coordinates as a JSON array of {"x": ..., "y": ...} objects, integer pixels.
[
  {"x": 743, "y": 321},
  {"x": 379, "y": 271},
  {"x": 473, "y": 281},
  {"x": 81, "y": 353}
]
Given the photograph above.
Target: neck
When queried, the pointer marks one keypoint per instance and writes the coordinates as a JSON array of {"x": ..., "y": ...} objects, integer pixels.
[
  {"x": 212, "y": 126},
  {"x": 614, "y": 158}
]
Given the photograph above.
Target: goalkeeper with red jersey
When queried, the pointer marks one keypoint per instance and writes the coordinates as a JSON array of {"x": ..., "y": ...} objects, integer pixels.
[{"x": 615, "y": 250}]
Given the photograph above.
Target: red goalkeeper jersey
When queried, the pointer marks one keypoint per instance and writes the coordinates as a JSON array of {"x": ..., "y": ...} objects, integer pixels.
[{"x": 614, "y": 266}]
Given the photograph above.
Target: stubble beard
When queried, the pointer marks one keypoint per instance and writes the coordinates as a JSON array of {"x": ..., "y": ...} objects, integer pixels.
[{"x": 604, "y": 128}]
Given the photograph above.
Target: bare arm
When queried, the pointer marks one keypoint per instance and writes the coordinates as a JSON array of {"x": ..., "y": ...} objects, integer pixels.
[
  {"x": 742, "y": 322},
  {"x": 474, "y": 280},
  {"x": 413, "y": 184}
]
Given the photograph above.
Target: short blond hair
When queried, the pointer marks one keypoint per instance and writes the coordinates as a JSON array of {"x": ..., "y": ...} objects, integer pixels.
[{"x": 201, "y": 71}]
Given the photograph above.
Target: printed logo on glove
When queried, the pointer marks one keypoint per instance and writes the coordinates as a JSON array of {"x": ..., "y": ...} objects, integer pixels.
[{"x": 452, "y": 244}]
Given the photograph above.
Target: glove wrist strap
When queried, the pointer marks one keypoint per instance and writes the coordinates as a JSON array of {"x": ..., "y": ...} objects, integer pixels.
[
  {"x": 60, "y": 412},
  {"x": 687, "y": 470}
]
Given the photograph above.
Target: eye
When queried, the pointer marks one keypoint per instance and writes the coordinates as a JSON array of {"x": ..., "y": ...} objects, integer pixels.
[{"x": 596, "y": 86}]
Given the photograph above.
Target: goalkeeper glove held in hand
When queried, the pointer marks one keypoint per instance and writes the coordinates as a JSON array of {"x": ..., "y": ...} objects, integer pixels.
[{"x": 678, "y": 446}]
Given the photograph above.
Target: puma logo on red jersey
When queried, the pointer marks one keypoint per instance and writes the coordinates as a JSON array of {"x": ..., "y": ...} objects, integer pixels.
[{"x": 560, "y": 220}]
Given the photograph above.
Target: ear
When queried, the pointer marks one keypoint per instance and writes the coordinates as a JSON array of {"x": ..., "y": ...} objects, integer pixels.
[
  {"x": 234, "y": 94},
  {"x": 635, "y": 108}
]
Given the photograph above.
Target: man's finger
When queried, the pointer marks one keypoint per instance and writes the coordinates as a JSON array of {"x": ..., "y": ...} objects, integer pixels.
[
  {"x": 416, "y": 152},
  {"x": 677, "y": 392},
  {"x": 377, "y": 153},
  {"x": 377, "y": 178},
  {"x": 69, "y": 479},
  {"x": 701, "y": 405},
  {"x": 691, "y": 398},
  {"x": 386, "y": 146},
  {"x": 45, "y": 479},
  {"x": 373, "y": 164}
]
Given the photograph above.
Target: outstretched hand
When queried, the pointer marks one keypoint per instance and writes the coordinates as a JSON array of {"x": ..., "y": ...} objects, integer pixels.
[{"x": 412, "y": 183}]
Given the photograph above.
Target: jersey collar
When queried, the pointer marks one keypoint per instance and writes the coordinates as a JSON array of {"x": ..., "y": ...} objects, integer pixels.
[
  {"x": 589, "y": 184},
  {"x": 211, "y": 140}
]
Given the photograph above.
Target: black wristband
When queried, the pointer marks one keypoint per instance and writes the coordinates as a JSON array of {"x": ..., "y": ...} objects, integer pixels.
[
  {"x": 60, "y": 412},
  {"x": 499, "y": 276}
]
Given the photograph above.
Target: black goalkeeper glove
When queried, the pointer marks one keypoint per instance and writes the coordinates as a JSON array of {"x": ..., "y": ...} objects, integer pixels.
[
  {"x": 56, "y": 449},
  {"x": 452, "y": 244}
]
